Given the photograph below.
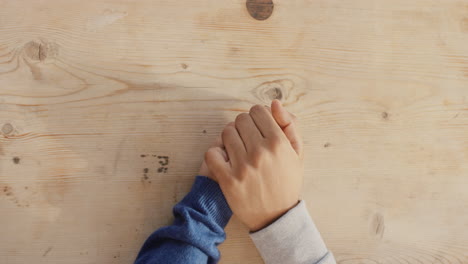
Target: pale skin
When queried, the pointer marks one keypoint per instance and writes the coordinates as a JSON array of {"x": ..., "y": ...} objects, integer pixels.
[{"x": 258, "y": 163}]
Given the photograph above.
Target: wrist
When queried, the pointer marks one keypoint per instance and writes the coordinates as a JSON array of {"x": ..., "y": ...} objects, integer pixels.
[
  {"x": 265, "y": 222},
  {"x": 207, "y": 198}
]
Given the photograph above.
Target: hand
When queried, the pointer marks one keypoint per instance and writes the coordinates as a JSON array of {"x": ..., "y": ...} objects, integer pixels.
[
  {"x": 204, "y": 170},
  {"x": 261, "y": 177}
]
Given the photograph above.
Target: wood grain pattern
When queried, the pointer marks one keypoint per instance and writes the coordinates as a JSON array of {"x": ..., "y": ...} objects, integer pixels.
[{"x": 92, "y": 92}]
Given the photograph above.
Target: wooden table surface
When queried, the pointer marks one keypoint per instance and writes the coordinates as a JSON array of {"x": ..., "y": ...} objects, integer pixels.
[{"x": 107, "y": 107}]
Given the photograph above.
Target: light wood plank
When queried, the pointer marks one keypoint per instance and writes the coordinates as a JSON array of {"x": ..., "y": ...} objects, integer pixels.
[{"x": 88, "y": 87}]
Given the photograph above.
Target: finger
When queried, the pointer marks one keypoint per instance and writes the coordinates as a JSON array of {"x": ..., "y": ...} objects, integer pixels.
[
  {"x": 248, "y": 131},
  {"x": 265, "y": 122},
  {"x": 291, "y": 115},
  {"x": 287, "y": 123},
  {"x": 217, "y": 163},
  {"x": 219, "y": 144},
  {"x": 233, "y": 143},
  {"x": 281, "y": 115}
]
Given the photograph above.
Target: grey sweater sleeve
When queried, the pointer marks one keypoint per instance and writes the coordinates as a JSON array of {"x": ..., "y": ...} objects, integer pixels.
[{"x": 292, "y": 239}]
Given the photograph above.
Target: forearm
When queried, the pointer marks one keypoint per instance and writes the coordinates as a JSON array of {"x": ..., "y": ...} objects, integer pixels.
[
  {"x": 293, "y": 239},
  {"x": 197, "y": 230}
]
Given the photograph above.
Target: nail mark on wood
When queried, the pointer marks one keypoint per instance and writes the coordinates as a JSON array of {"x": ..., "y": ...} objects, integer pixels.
[
  {"x": 377, "y": 225},
  {"x": 145, "y": 174},
  {"x": 174, "y": 193},
  {"x": 164, "y": 161},
  {"x": 7, "y": 190},
  {"x": 47, "y": 251},
  {"x": 16, "y": 160},
  {"x": 385, "y": 115},
  {"x": 184, "y": 66},
  {"x": 234, "y": 51},
  {"x": 326, "y": 145},
  {"x": 260, "y": 9}
]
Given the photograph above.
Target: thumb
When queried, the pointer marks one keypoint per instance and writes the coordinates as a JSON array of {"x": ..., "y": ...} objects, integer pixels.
[
  {"x": 287, "y": 123},
  {"x": 217, "y": 162}
]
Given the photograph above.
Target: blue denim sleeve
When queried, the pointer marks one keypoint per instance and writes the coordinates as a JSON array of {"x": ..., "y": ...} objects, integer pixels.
[{"x": 197, "y": 230}]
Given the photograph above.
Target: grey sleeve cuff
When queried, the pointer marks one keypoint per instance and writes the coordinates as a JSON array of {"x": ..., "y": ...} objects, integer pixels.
[{"x": 293, "y": 239}]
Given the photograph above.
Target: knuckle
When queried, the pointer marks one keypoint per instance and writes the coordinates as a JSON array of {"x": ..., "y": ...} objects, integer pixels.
[
  {"x": 275, "y": 139},
  {"x": 256, "y": 160},
  {"x": 242, "y": 118},
  {"x": 226, "y": 178},
  {"x": 224, "y": 134},
  {"x": 227, "y": 131},
  {"x": 275, "y": 143},
  {"x": 258, "y": 150},
  {"x": 244, "y": 172},
  {"x": 227, "y": 181},
  {"x": 257, "y": 156},
  {"x": 256, "y": 108}
]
